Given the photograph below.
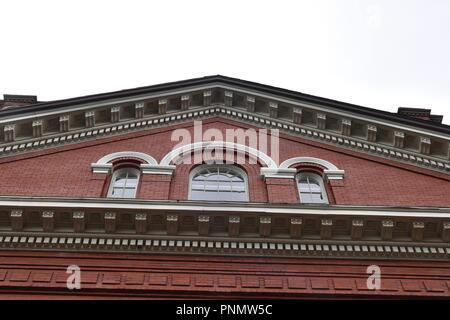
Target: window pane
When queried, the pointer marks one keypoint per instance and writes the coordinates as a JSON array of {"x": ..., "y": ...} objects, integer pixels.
[
  {"x": 239, "y": 196},
  {"x": 305, "y": 198},
  {"x": 117, "y": 192},
  {"x": 197, "y": 195},
  {"x": 132, "y": 174},
  {"x": 238, "y": 188},
  {"x": 304, "y": 187},
  {"x": 120, "y": 182},
  {"x": 132, "y": 182},
  {"x": 128, "y": 193},
  {"x": 124, "y": 184},
  {"x": 311, "y": 188},
  {"x": 210, "y": 185},
  {"x": 218, "y": 183},
  {"x": 210, "y": 196},
  {"x": 198, "y": 185},
  {"x": 316, "y": 198},
  {"x": 315, "y": 187}
]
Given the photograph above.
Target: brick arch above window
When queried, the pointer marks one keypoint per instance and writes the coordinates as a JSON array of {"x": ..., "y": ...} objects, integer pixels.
[
  {"x": 127, "y": 154},
  {"x": 148, "y": 163},
  {"x": 330, "y": 171},
  {"x": 312, "y": 167}
]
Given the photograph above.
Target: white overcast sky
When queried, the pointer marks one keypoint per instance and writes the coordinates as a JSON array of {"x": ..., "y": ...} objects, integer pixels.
[{"x": 380, "y": 54}]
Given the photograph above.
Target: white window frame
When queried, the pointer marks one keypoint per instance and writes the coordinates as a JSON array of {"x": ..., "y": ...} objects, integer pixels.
[
  {"x": 318, "y": 178},
  {"x": 113, "y": 180},
  {"x": 238, "y": 170}
]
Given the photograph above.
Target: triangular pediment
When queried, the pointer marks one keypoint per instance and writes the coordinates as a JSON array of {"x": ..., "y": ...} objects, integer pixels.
[{"x": 378, "y": 133}]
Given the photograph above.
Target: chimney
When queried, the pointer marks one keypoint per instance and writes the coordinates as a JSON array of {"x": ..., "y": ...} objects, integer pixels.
[
  {"x": 420, "y": 113},
  {"x": 16, "y": 100}
]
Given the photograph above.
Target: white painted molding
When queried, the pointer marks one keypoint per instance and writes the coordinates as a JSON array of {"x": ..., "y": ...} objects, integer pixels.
[
  {"x": 334, "y": 174},
  {"x": 290, "y": 162},
  {"x": 251, "y": 93},
  {"x": 331, "y": 172},
  {"x": 157, "y": 169},
  {"x": 189, "y": 206},
  {"x": 101, "y": 168},
  {"x": 383, "y": 151},
  {"x": 128, "y": 154},
  {"x": 103, "y": 165},
  {"x": 189, "y": 148},
  {"x": 288, "y": 173}
]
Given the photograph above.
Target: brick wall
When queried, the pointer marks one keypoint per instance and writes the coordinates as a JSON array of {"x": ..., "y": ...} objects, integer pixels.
[
  {"x": 282, "y": 190},
  {"x": 66, "y": 172},
  {"x": 25, "y": 275},
  {"x": 153, "y": 186}
]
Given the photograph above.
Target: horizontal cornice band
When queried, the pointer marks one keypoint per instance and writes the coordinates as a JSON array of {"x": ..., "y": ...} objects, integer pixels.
[
  {"x": 326, "y": 137},
  {"x": 137, "y": 204},
  {"x": 237, "y": 247},
  {"x": 225, "y": 82}
]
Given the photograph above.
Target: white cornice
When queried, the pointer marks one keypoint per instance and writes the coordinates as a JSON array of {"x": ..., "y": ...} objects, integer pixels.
[
  {"x": 193, "y": 206},
  {"x": 293, "y": 102},
  {"x": 106, "y": 103},
  {"x": 317, "y": 107}
]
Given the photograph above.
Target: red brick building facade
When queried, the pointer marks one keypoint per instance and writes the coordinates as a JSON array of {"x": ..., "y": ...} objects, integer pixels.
[{"x": 100, "y": 182}]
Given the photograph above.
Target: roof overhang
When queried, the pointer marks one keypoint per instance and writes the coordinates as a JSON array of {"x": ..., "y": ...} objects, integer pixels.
[{"x": 361, "y": 129}]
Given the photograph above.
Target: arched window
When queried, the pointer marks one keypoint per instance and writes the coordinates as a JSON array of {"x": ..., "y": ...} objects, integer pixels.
[
  {"x": 124, "y": 183},
  {"x": 311, "y": 188},
  {"x": 218, "y": 183}
]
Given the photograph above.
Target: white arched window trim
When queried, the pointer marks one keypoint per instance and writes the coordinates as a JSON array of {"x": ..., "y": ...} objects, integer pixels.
[
  {"x": 114, "y": 178},
  {"x": 269, "y": 164},
  {"x": 234, "y": 168},
  {"x": 316, "y": 177},
  {"x": 149, "y": 165},
  {"x": 270, "y": 168},
  {"x": 331, "y": 172}
]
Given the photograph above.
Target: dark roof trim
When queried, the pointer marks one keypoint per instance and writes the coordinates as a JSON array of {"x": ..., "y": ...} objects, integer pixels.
[{"x": 384, "y": 115}]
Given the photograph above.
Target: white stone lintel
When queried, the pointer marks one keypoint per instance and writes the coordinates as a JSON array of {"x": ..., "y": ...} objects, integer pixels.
[
  {"x": 288, "y": 173},
  {"x": 157, "y": 169},
  {"x": 334, "y": 174},
  {"x": 101, "y": 167}
]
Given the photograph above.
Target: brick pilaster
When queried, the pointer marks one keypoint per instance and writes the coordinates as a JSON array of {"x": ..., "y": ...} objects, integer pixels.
[
  {"x": 154, "y": 187},
  {"x": 282, "y": 190}
]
